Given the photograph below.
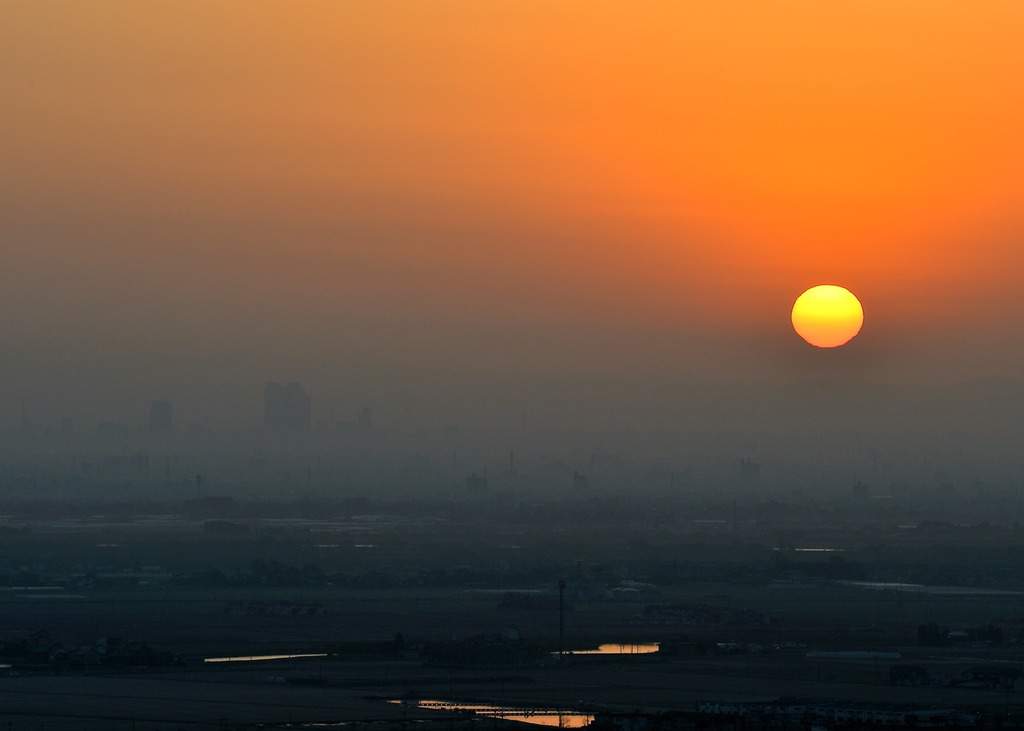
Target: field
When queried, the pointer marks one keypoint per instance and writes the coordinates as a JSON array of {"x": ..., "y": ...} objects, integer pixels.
[{"x": 426, "y": 613}]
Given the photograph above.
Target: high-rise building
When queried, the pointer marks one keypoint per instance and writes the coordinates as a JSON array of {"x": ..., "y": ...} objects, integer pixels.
[
  {"x": 286, "y": 407},
  {"x": 159, "y": 418}
]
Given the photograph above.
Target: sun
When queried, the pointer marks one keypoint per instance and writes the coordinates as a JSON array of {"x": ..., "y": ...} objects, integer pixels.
[{"x": 827, "y": 316}]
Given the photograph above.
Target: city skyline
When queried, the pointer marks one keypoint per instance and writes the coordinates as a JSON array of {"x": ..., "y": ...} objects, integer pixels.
[
  {"x": 592, "y": 245},
  {"x": 382, "y": 362}
]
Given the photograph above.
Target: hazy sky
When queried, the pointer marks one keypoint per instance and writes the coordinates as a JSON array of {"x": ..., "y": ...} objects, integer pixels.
[{"x": 195, "y": 194}]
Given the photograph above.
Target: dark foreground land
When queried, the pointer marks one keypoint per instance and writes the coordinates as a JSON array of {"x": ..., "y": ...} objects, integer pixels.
[{"x": 109, "y": 619}]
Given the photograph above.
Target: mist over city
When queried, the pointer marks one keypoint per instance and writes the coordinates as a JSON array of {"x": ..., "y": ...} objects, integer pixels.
[
  {"x": 400, "y": 365},
  {"x": 803, "y": 441}
]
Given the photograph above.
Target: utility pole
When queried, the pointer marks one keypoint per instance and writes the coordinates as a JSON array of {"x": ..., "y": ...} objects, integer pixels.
[{"x": 561, "y": 619}]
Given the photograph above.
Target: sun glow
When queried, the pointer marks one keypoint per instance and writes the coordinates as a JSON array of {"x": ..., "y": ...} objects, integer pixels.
[{"x": 827, "y": 316}]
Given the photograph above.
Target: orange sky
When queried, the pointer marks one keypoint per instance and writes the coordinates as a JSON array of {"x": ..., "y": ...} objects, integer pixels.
[{"x": 193, "y": 175}]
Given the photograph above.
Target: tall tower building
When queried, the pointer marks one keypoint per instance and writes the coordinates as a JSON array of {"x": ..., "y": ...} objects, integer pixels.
[{"x": 286, "y": 407}]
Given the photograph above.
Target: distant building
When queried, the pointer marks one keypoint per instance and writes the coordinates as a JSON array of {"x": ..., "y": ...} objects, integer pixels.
[
  {"x": 362, "y": 425},
  {"x": 286, "y": 407},
  {"x": 749, "y": 469},
  {"x": 159, "y": 418}
]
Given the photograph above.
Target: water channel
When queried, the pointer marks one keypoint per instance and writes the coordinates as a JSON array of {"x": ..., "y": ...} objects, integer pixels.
[
  {"x": 261, "y": 658},
  {"x": 558, "y": 718},
  {"x": 613, "y": 648}
]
